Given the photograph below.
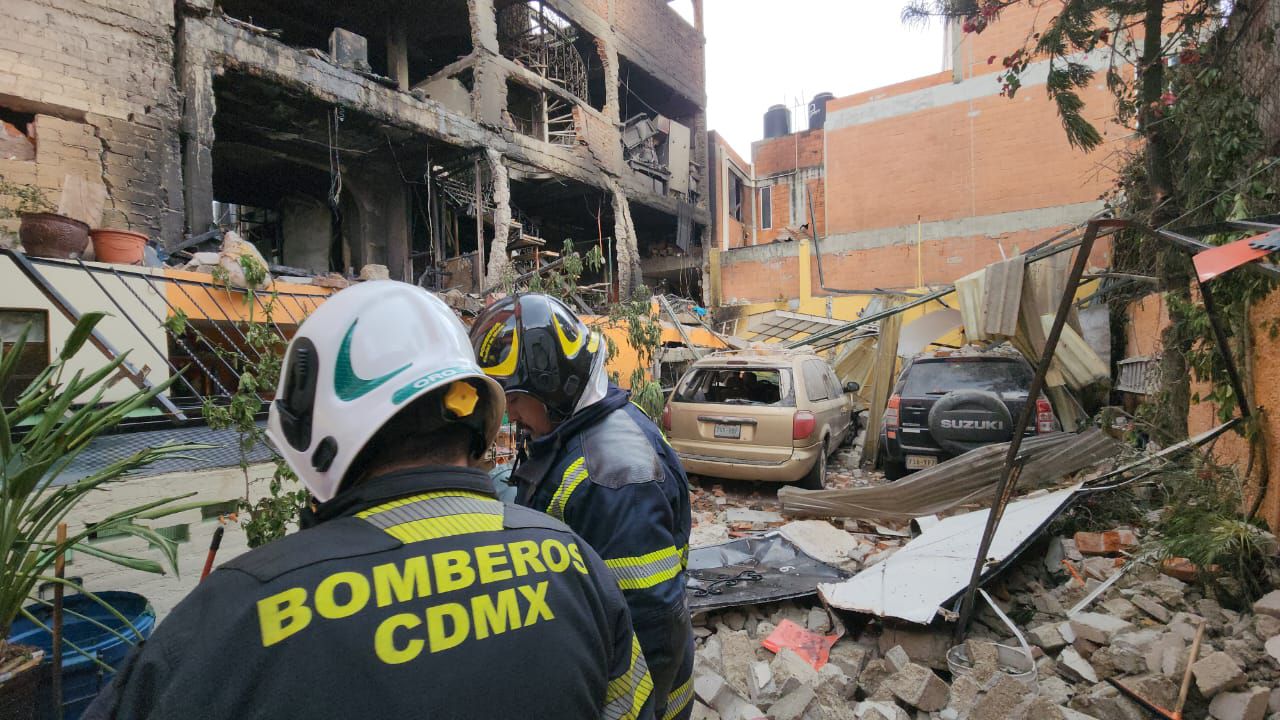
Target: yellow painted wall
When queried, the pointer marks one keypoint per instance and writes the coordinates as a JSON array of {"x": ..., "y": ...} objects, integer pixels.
[{"x": 625, "y": 358}]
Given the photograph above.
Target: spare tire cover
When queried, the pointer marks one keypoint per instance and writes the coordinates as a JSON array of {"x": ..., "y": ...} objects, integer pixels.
[{"x": 963, "y": 420}]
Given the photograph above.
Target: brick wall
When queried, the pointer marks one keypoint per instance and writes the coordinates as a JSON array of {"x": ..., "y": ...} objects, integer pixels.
[
  {"x": 669, "y": 44},
  {"x": 780, "y": 154},
  {"x": 101, "y": 76}
]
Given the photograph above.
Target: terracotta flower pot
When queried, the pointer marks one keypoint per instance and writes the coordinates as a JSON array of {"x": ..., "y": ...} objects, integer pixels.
[
  {"x": 118, "y": 246},
  {"x": 53, "y": 236}
]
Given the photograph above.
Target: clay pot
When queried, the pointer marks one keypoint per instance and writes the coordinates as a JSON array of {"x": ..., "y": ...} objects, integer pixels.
[
  {"x": 53, "y": 236},
  {"x": 122, "y": 247}
]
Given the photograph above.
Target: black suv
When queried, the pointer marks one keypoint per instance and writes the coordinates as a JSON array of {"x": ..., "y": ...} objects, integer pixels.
[{"x": 946, "y": 404}]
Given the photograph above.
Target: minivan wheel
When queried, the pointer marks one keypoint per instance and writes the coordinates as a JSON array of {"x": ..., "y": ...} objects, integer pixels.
[
  {"x": 894, "y": 470},
  {"x": 813, "y": 479}
]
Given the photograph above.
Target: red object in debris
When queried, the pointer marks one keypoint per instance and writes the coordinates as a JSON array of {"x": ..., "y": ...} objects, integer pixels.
[
  {"x": 1215, "y": 261},
  {"x": 1105, "y": 543},
  {"x": 1184, "y": 570},
  {"x": 812, "y": 647}
]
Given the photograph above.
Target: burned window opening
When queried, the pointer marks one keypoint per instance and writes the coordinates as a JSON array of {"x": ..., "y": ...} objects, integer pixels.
[
  {"x": 540, "y": 115},
  {"x": 658, "y": 135},
  {"x": 537, "y": 37},
  {"x": 437, "y": 35},
  {"x": 17, "y": 135}
]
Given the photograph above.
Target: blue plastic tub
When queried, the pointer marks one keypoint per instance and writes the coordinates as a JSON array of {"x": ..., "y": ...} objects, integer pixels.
[{"x": 81, "y": 677}]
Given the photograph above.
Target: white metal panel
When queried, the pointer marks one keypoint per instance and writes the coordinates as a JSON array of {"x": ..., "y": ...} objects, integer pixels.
[
  {"x": 916, "y": 581},
  {"x": 678, "y": 158}
]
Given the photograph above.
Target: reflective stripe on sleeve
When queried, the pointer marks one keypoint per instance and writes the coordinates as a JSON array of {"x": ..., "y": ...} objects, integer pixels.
[
  {"x": 573, "y": 477},
  {"x": 627, "y": 693},
  {"x": 645, "y": 571}
]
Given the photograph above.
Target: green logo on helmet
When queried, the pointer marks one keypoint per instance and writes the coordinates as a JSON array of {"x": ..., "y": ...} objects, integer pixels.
[
  {"x": 428, "y": 380},
  {"x": 346, "y": 383}
]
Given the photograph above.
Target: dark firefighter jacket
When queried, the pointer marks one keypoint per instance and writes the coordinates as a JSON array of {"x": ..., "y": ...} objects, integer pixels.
[
  {"x": 610, "y": 475},
  {"x": 418, "y": 595}
]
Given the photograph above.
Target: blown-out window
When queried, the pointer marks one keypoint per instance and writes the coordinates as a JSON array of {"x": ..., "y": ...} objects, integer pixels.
[{"x": 34, "y": 357}]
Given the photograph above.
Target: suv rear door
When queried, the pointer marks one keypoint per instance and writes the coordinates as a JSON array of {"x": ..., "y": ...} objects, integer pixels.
[
  {"x": 747, "y": 410},
  {"x": 928, "y": 379}
]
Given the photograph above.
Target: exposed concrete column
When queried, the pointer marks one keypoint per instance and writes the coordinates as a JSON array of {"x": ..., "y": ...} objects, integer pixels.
[
  {"x": 489, "y": 92},
  {"x": 624, "y": 230},
  {"x": 499, "y": 258},
  {"x": 398, "y": 51},
  {"x": 804, "y": 269},
  {"x": 195, "y": 78},
  {"x": 609, "y": 62},
  {"x": 697, "y": 15}
]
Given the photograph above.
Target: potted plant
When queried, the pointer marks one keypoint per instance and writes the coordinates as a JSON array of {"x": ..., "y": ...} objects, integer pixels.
[
  {"x": 43, "y": 231},
  {"x": 124, "y": 247},
  {"x": 61, "y": 416}
]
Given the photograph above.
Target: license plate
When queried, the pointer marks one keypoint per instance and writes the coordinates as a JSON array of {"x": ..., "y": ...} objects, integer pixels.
[
  {"x": 920, "y": 462},
  {"x": 730, "y": 432}
]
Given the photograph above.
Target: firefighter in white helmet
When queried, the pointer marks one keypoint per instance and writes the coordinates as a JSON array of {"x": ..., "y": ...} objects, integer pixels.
[{"x": 414, "y": 588}]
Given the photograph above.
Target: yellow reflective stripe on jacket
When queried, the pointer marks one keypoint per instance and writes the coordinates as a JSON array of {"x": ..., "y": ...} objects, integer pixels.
[
  {"x": 645, "y": 571},
  {"x": 573, "y": 477},
  {"x": 678, "y": 699},
  {"x": 684, "y": 557},
  {"x": 627, "y": 693},
  {"x": 435, "y": 515}
]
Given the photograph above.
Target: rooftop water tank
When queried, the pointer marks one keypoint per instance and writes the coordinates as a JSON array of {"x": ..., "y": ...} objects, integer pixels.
[
  {"x": 777, "y": 122},
  {"x": 818, "y": 110}
]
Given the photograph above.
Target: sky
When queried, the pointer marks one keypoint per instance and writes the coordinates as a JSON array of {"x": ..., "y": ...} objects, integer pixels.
[{"x": 765, "y": 52}]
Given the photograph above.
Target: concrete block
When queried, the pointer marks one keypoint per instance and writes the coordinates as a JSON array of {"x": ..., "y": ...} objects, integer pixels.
[
  {"x": 791, "y": 671},
  {"x": 879, "y": 710},
  {"x": 1075, "y": 668},
  {"x": 918, "y": 687},
  {"x": 1268, "y": 604},
  {"x": 1098, "y": 628},
  {"x": 897, "y": 658},
  {"x": 1000, "y": 700},
  {"x": 737, "y": 653},
  {"x": 1120, "y": 608},
  {"x": 874, "y": 675},
  {"x": 1167, "y": 655},
  {"x": 849, "y": 657},
  {"x": 1272, "y": 647},
  {"x": 1217, "y": 672},
  {"x": 1248, "y": 705},
  {"x": 793, "y": 705},
  {"x": 1151, "y": 607},
  {"x": 1047, "y": 637},
  {"x": 819, "y": 621},
  {"x": 1056, "y": 690}
]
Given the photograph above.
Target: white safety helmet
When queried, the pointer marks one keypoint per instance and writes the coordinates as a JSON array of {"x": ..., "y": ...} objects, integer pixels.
[{"x": 359, "y": 359}]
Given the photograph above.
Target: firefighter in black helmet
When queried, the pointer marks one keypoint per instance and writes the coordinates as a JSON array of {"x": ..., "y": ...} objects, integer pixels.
[{"x": 598, "y": 463}]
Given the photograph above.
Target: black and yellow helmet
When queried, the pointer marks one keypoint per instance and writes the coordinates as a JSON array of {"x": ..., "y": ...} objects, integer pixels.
[{"x": 535, "y": 344}]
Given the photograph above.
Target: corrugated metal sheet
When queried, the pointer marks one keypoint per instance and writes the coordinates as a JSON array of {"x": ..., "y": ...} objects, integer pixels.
[
  {"x": 1003, "y": 297},
  {"x": 971, "y": 477},
  {"x": 1079, "y": 363},
  {"x": 969, "y": 293},
  {"x": 929, "y": 571}
]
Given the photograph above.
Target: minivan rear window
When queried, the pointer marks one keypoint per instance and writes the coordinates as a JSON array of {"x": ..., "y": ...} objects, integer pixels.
[
  {"x": 939, "y": 378},
  {"x": 737, "y": 386}
]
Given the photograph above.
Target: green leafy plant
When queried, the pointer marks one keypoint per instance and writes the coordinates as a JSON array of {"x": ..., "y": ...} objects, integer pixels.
[
  {"x": 27, "y": 199},
  {"x": 269, "y": 517},
  {"x": 1202, "y": 522},
  {"x": 63, "y": 416}
]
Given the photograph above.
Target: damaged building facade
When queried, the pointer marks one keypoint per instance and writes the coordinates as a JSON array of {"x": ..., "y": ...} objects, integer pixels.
[
  {"x": 911, "y": 184},
  {"x": 455, "y": 142}
]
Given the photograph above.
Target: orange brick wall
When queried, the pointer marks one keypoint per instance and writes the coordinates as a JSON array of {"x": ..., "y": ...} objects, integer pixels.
[{"x": 782, "y": 154}]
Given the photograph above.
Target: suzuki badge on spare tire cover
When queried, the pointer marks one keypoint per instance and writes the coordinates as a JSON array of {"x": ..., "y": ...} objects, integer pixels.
[{"x": 966, "y": 419}]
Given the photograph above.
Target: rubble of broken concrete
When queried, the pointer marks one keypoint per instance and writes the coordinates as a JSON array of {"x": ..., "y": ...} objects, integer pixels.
[{"x": 1085, "y": 636}]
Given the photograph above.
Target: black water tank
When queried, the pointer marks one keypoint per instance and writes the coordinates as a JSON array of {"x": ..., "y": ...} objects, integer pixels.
[
  {"x": 818, "y": 110},
  {"x": 777, "y": 122}
]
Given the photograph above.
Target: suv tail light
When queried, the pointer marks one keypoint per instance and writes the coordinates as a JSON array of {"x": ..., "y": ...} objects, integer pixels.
[
  {"x": 803, "y": 425},
  {"x": 666, "y": 418},
  {"x": 1044, "y": 416},
  {"x": 891, "y": 416}
]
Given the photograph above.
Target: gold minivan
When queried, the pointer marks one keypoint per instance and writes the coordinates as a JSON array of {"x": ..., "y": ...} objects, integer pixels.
[{"x": 760, "y": 415}]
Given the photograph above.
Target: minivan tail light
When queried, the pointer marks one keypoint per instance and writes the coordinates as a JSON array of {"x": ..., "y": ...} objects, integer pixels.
[
  {"x": 1044, "y": 416},
  {"x": 891, "y": 416},
  {"x": 666, "y": 418},
  {"x": 803, "y": 425}
]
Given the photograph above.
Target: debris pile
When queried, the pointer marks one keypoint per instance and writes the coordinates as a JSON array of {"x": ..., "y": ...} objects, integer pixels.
[{"x": 1109, "y": 636}]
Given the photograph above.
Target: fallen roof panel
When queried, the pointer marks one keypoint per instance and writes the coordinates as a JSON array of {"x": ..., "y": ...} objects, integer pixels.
[
  {"x": 756, "y": 569},
  {"x": 922, "y": 577},
  {"x": 971, "y": 477}
]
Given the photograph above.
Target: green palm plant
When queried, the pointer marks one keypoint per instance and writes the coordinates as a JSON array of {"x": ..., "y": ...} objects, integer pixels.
[{"x": 61, "y": 417}]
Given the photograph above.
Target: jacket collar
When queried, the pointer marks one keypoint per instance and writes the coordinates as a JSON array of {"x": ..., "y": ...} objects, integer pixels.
[
  {"x": 402, "y": 483},
  {"x": 545, "y": 452}
]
